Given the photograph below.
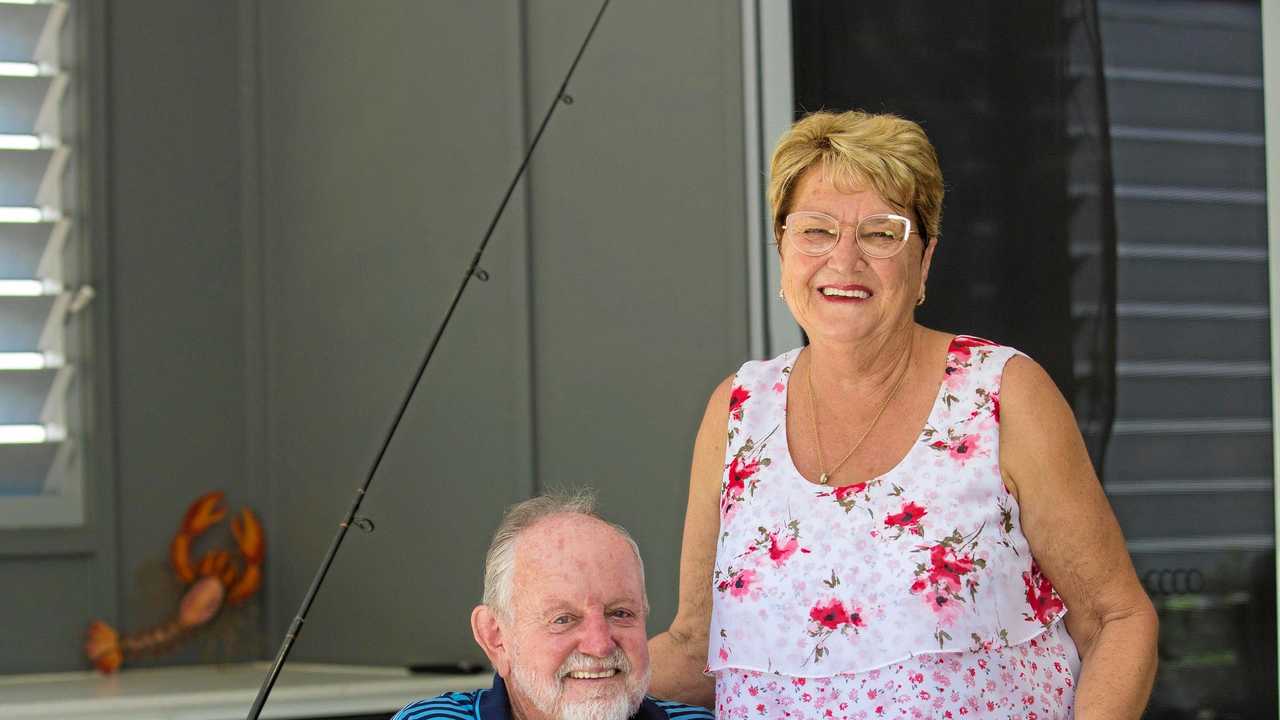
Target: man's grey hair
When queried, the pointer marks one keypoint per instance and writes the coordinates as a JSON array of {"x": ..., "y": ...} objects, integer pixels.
[{"x": 499, "y": 563}]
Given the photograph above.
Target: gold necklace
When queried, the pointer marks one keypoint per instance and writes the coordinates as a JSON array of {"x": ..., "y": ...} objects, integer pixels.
[{"x": 825, "y": 477}]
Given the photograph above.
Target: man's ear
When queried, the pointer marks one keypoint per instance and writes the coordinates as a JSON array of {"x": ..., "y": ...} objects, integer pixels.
[{"x": 488, "y": 634}]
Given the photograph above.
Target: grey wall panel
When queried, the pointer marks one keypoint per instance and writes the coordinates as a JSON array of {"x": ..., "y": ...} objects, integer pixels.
[
  {"x": 177, "y": 301},
  {"x": 639, "y": 265},
  {"x": 42, "y": 600},
  {"x": 304, "y": 182},
  {"x": 388, "y": 132}
]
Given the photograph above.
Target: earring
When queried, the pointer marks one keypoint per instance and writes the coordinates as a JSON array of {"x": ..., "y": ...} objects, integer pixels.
[
  {"x": 781, "y": 295},
  {"x": 921, "y": 300}
]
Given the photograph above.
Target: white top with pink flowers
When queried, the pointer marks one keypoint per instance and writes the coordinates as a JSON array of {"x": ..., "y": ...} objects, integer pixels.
[{"x": 814, "y": 582}]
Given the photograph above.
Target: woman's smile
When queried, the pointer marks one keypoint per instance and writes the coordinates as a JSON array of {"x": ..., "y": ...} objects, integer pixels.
[{"x": 846, "y": 293}]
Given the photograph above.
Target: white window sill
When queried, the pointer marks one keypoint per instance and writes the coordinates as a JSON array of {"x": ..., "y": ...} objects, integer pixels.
[{"x": 218, "y": 692}]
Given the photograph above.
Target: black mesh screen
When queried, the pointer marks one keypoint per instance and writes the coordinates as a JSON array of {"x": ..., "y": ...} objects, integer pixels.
[{"x": 1004, "y": 92}]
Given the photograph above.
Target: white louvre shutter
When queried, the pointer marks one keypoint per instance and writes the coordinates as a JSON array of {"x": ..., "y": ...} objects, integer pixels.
[{"x": 41, "y": 266}]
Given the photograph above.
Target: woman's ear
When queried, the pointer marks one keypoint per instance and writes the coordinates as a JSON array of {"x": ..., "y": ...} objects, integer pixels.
[
  {"x": 489, "y": 636},
  {"x": 925, "y": 262}
]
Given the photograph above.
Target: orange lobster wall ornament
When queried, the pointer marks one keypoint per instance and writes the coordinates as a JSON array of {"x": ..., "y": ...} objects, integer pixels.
[{"x": 216, "y": 579}]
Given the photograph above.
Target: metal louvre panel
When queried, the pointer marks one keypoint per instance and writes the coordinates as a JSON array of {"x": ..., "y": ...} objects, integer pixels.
[
  {"x": 1137, "y": 34},
  {"x": 1218, "y": 396},
  {"x": 21, "y": 322},
  {"x": 21, "y": 247},
  {"x": 20, "y": 28},
  {"x": 1190, "y": 472},
  {"x": 1145, "y": 456},
  {"x": 1168, "y": 222},
  {"x": 21, "y": 174},
  {"x": 34, "y": 256},
  {"x": 23, "y": 395},
  {"x": 1213, "y": 164},
  {"x": 1154, "y": 278},
  {"x": 23, "y": 469},
  {"x": 1205, "y": 105},
  {"x": 20, "y": 101}
]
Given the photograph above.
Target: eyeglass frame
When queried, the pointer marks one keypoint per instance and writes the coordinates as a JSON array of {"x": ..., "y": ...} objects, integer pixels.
[{"x": 840, "y": 232}]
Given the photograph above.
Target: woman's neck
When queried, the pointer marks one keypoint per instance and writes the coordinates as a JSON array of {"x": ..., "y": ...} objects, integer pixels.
[{"x": 863, "y": 366}]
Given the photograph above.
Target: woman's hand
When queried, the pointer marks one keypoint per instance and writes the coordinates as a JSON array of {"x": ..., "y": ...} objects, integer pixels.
[
  {"x": 679, "y": 655},
  {"x": 1074, "y": 536}
]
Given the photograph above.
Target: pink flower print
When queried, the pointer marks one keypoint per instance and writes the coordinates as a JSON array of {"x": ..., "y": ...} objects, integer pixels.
[
  {"x": 962, "y": 346},
  {"x": 959, "y": 357},
  {"x": 919, "y": 586},
  {"x": 779, "y": 553},
  {"x": 728, "y": 506},
  {"x": 946, "y": 608},
  {"x": 965, "y": 448},
  {"x": 736, "y": 485},
  {"x": 739, "y": 471},
  {"x": 947, "y": 567},
  {"x": 907, "y": 517},
  {"x": 995, "y": 406},
  {"x": 779, "y": 387},
  {"x": 845, "y": 491},
  {"x": 831, "y": 615},
  {"x": 724, "y": 654},
  {"x": 737, "y": 398},
  {"x": 1041, "y": 597},
  {"x": 739, "y": 583}
]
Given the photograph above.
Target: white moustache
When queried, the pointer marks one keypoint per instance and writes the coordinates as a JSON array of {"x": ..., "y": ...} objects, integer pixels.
[{"x": 603, "y": 667}]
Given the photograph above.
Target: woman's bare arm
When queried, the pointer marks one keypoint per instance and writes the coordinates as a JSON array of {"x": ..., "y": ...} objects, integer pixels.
[
  {"x": 679, "y": 655},
  {"x": 1074, "y": 536}
]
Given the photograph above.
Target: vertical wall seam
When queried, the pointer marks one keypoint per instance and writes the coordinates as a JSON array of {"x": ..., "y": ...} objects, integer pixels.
[
  {"x": 777, "y": 103},
  {"x": 757, "y": 294},
  {"x": 254, "y": 309},
  {"x": 522, "y": 73},
  {"x": 102, "y": 488}
]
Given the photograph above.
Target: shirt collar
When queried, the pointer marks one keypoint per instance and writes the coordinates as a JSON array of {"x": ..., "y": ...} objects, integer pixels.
[{"x": 495, "y": 704}]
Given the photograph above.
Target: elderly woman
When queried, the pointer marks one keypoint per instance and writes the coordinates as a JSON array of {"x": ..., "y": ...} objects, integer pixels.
[{"x": 894, "y": 521}]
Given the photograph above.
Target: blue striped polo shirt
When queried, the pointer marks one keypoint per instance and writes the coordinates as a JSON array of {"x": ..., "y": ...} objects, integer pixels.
[{"x": 492, "y": 704}]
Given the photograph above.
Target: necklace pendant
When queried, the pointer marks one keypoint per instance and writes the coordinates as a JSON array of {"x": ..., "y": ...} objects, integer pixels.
[{"x": 822, "y": 480}]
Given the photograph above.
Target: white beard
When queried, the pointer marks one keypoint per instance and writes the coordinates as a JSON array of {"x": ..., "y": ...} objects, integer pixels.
[{"x": 547, "y": 695}]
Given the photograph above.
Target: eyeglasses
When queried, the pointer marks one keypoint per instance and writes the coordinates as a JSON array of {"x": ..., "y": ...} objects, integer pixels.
[{"x": 815, "y": 233}]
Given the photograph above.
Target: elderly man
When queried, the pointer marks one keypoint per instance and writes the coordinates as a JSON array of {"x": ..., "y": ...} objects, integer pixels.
[{"x": 563, "y": 623}]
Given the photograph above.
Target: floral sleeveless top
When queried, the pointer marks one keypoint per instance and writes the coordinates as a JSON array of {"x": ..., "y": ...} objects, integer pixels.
[{"x": 813, "y": 581}]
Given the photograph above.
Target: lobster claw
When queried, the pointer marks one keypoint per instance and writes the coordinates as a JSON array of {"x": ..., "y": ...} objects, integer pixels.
[
  {"x": 203, "y": 513},
  {"x": 180, "y": 557},
  {"x": 200, "y": 516},
  {"x": 247, "y": 531},
  {"x": 246, "y": 585}
]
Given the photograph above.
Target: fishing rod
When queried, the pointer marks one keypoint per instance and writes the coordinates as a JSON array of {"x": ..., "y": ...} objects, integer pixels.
[{"x": 473, "y": 271}]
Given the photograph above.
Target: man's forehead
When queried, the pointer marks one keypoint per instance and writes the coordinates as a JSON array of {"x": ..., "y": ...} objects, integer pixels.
[
  {"x": 573, "y": 551},
  {"x": 570, "y": 534}
]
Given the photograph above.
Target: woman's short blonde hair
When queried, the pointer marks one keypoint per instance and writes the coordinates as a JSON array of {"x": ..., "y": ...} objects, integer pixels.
[{"x": 890, "y": 154}]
